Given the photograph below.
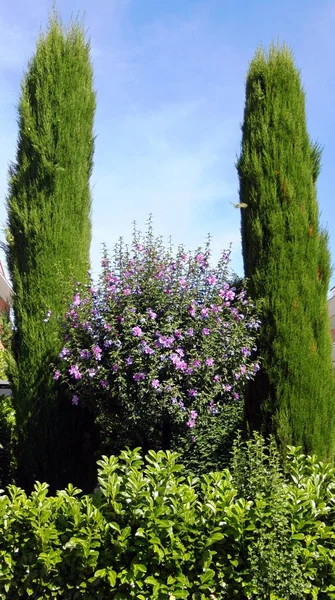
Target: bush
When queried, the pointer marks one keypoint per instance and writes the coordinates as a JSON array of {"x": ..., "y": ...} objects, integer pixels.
[
  {"x": 7, "y": 440},
  {"x": 153, "y": 533},
  {"x": 161, "y": 349}
]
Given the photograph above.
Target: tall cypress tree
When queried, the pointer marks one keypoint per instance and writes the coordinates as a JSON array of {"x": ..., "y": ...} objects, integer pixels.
[
  {"x": 286, "y": 259},
  {"x": 49, "y": 232}
]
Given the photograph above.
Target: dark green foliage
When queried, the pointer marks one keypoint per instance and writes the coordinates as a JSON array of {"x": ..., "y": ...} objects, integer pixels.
[
  {"x": 7, "y": 441},
  {"x": 215, "y": 436},
  {"x": 286, "y": 259},
  {"x": 153, "y": 533},
  {"x": 49, "y": 230}
]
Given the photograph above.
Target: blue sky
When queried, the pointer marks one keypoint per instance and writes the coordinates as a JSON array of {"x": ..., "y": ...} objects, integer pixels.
[{"x": 170, "y": 76}]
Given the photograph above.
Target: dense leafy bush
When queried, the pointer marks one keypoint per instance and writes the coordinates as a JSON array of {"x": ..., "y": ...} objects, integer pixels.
[
  {"x": 160, "y": 348},
  {"x": 152, "y": 533},
  {"x": 7, "y": 440}
]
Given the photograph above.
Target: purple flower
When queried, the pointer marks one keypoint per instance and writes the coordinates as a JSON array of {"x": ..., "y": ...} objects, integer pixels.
[
  {"x": 74, "y": 372},
  {"x": 196, "y": 363},
  {"x": 139, "y": 376},
  {"x": 194, "y": 414},
  {"x": 192, "y": 393},
  {"x": 155, "y": 384},
  {"x": 91, "y": 372},
  {"x": 75, "y": 400},
  {"x": 181, "y": 405},
  {"x": 212, "y": 408},
  {"x": 209, "y": 362},
  {"x": 190, "y": 332},
  {"x": 245, "y": 351},
  {"x": 182, "y": 282},
  {"x": 151, "y": 313},
  {"x": 256, "y": 368},
  {"x": 137, "y": 331},
  {"x": 108, "y": 343},
  {"x": 64, "y": 353},
  {"x": 216, "y": 378},
  {"x": 236, "y": 396},
  {"x": 205, "y": 331},
  {"x": 104, "y": 383},
  {"x": 189, "y": 371},
  {"x": 107, "y": 327},
  {"x": 147, "y": 349},
  {"x": 139, "y": 247},
  {"x": 174, "y": 400},
  {"x": 85, "y": 354},
  {"x": 200, "y": 260},
  {"x": 97, "y": 352},
  {"x": 177, "y": 334},
  {"x": 56, "y": 375},
  {"x": 115, "y": 368},
  {"x": 192, "y": 311},
  {"x": 76, "y": 300},
  {"x": 243, "y": 369},
  {"x": 227, "y": 387},
  {"x": 190, "y": 423},
  {"x": 204, "y": 312},
  {"x": 129, "y": 361},
  {"x": 181, "y": 365},
  {"x": 180, "y": 351},
  {"x": 211, "y": 280},
  {"x": 126, "y": 291},
  {"x": 237, "y": 376}
]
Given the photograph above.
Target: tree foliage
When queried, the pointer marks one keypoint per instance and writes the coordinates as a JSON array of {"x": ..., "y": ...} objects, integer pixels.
[
  {"x": 49, "y": 227},
  {"x": 286, "y": 259}
]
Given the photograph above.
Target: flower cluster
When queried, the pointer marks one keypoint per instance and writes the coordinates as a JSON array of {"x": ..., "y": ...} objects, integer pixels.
[{"x": 163, "y": 336}]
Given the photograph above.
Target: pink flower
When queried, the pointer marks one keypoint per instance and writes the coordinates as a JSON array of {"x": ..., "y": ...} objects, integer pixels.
[
  {"x": 216, "y": 378},
  {"x": 196, "y": 363},
  {"x": 151, "y": 313},
  {"x": 97, "y": 352},
  {"x": 137, "y": 331},
  {"x": 56, "y": 375},
  {"x": 129, "y": 360},
  {"x": 115, "y": 368},
  {"x": 139, "y": 247},
  {"x": 76, "y": 300},
  {"x": 204, "y": 312},
  {"x": 236, "y": 396},
  {"x": 192, "y": 393},
  {"x": 190, "y": 332},
  {"x": 192, "y": 311},
  {"x": 91, "y": 372},
  {"x": 139, "y": 376},
  {"x": 190, "y": 423},
  {"x": 75, "y": 400},
  {"x": 127, "y": 291},
  {"x": 205, "y": 331},
  {"x": 200, "y": 259},
  {"x": 74, "y": 372},
  {"x": 243, "y": 369},
  {"x": 155, "y": 384},
  {"x": 209, "y": 362},
  {"x": 211, "y": 280}
]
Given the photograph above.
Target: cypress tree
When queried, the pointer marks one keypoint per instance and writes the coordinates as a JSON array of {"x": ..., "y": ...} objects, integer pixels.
[
  {"x": 48, "y": 233},
  {"x": 286, "y": 259}
]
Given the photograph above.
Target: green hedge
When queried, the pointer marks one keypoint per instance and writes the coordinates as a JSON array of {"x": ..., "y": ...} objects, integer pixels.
[{"x": 154, "y": 533}]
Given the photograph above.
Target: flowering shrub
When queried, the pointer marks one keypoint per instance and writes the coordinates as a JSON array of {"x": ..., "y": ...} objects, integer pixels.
[{"x": 160, "y": 345}]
